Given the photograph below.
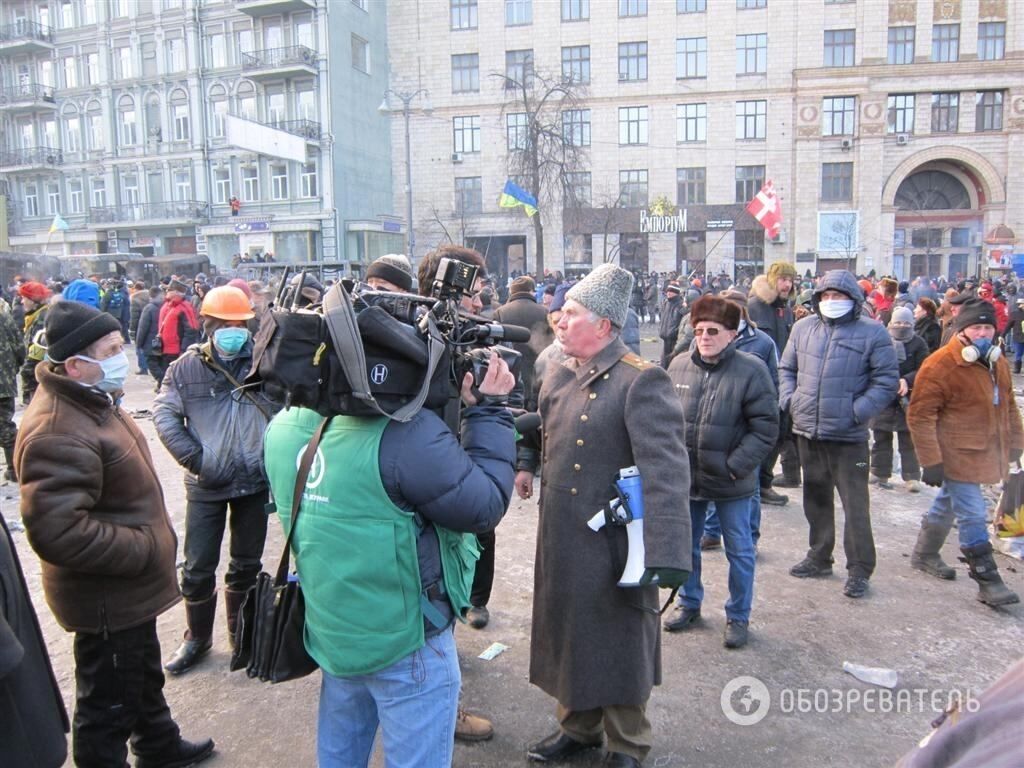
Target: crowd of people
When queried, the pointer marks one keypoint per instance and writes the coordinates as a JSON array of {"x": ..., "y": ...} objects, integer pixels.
[{"x": 826, "y": 374}]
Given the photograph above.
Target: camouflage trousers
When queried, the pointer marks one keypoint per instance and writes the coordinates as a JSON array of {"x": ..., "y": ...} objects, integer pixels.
[{"x": 8, "y": 430}]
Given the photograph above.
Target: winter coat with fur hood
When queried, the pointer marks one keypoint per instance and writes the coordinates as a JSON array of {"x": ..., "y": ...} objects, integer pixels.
[{"x": 770, "y": 312}]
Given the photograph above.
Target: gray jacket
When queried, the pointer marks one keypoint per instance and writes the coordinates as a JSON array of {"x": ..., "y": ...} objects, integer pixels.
[{"x": 836, "y": 374}]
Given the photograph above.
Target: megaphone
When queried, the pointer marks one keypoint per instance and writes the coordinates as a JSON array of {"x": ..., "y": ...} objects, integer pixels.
[{"x": 627, "y": 509}]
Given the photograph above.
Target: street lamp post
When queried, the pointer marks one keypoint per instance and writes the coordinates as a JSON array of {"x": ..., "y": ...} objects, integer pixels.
[{"x": 407, "y": 97}]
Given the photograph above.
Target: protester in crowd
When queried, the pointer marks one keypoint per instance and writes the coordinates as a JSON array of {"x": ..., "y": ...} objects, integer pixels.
[
  {"x": 117, "y": 304},
  {"x": 177, "y": 327},
  {"x": 953, "y": 305},
  {"x": 1015, "y": 333},
  {"x": 967, "y": 430},
  {"x": 987, "y": 292},
  {"x": 262, "y": 297},
  {"x": 883, "y": 299},
  {"x": 926, "y": 324},
  {"x": 651, "y": 295},
  {"x": 12, "y": 357},
  {"x": 83, "y": 291},
  {"x": 523, "y": 310},
  {"x": 34, "y": 298},
  {"x": 605, "y": 410},
  {"x": 631, "y": 331},
  {"x": 671, "y": 314},
  {"x": 139, "y": 300},
  {"x": 911, "y": 351},
  {"x": 731, "y": 418},
  {"x": 390, "y": 272},
  {"x": 838, "y": 370},
  {"x": 149, "y": 323},
  {"x": 216, "y": 433},
  {"x": 801, "y": 309},
  {"x": 94, "y": 513}
]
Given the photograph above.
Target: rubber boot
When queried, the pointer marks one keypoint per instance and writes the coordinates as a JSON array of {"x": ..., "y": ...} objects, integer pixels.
[
  {"x": 983, "y": 567},
  {"x": 10, "y": 473},
  {"x": 198, "y": 636},
  {"x": 233, "y": 599},
  {"x": 926, "y": 555}
]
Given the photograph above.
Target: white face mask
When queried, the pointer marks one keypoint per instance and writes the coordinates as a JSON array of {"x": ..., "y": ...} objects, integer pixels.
[
  {"x": 835, "y": 308},
  {"x": 742, "y": 326}
]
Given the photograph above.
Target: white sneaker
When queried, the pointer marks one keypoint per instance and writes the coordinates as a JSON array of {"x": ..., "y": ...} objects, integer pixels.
[{"x": 913, "y": 486}]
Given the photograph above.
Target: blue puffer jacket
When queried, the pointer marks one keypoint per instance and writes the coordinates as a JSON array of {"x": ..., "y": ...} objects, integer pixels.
[{"x": 836, "y": 374}]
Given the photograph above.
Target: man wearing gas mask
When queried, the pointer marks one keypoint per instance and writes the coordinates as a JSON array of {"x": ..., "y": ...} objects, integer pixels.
[
  {"x": 967, "y": 430},
  {"x": 215, "y": 431}
]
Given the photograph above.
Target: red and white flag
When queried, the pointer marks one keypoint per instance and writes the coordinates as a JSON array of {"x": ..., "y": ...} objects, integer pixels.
[{"x": 765, "y": 207}]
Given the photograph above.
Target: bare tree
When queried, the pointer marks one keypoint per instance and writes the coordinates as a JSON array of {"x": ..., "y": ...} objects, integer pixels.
[
  {"x": 842, "y": 236},
  {"x": 542, "y": 151}
]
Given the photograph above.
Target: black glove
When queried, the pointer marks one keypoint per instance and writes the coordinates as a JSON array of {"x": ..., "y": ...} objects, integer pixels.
[
  {"x": 933, "y": 475},
  {"x": 668, "y": 578}
]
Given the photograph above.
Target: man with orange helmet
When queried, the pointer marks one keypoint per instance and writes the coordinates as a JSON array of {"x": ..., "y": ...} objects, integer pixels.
[{"x": 214, "y": 430}]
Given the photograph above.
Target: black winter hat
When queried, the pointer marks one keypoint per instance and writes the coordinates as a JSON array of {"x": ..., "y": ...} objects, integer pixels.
[
  {"x": 72, "y": 326},
  {"x": 975, "y": 312}
]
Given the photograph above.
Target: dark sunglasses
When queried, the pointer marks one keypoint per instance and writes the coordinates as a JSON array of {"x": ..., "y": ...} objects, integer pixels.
[{"x": 708, "y": 331}]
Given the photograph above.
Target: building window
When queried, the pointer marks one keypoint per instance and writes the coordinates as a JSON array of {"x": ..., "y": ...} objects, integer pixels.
[
  {"x": 745, "y": 4},
  {"x": 360, "y": 54},
  {"x": 222, "y": 185},
  {"x": 632, "y": 7},
  {"x": 73, "y": 134},
  {"x": 691, "y": 57},
  {"x": 182, "y": 186},
  {"x": 518, "y": 68},
  {"x": 31, "y": 200},
  {"x": 245, "y": 96},
  {"x": 278, "y": 181},
  {"x": 308, "y": 180},
  {"x": 840, "y": 47},
  {"x": 92, "y": 68},
  {"x": 901, "y": 45},
  {"x": 518, "y": 12},
  {"x": 960, "y": 237},
  {"x": 751, "y": 119},
  {"x": 180, "y": 117},
  {"x": 123, "y": 63},
  {"x": 576, "y": 127},
  {"x": 517, "y": 130},
  {"x": 633, "y": 188},
  {"x": 751, "y": 54},
  {"x": 691, "y": 6},
  {"x": 130, "y": 189},
  {"x": 243, "y": 41},
  {"x": 632, "y": 125},
  {"x": 575, "y": 10},
  {"x": 218, "y": 115},
  {"x": 128, "y": 128},
  {"x": 633, "y": 61},
  {"x": 67, "y": 14},
  {"x": 465, "y": 73},
  {"x": 76, "y": 201},
  {"x": 691, "y": 186},
  {"x": 70, "y": 72},
  {"x": 838, "y": 114},
  {"x": 217, "y": 50},
  {"x": 836, "y": 182},
  {"x": 52, "y": 198},
  {"x": 250, "y": 184},
  {"x": 175, "y": 48},
  {"x": 691, "y": 122},
  {"x": 119, "y": 8},
  {"x": 945, "y": 112},
  {"x": 94, "y": 123},
  {"x": 466, "y": 134},
  {"x": 464, "y": 14},
  {"x": 901, "y": 113},
  {"x": 469, "y": 196},
  {"x": 748, "y": 246},
  {"x": 946, "y": 42},
  {"x": 99, "y": 193},
  {"x": 576, "y": 64},
  {"x": 578, "y": 189},
  {"x": 991, "y": 40},
  {"x": 749, "y": 180},
  {"x": 926, "y": 238},
  {"x": 988, "y": 114}
]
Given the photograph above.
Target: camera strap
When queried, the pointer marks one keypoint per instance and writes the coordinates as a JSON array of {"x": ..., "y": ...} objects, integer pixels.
[{"x": 348, "y": 346}]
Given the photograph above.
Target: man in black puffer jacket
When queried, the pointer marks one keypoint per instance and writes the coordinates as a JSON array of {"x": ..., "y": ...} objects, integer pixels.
[{"x": 731, "y": 420}]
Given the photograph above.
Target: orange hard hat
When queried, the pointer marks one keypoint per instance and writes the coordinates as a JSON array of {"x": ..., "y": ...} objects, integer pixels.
[{"x": 227, "y": 303}]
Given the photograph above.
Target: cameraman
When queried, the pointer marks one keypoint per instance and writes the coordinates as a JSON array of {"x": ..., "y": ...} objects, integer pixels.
[{"x": 389, "y": 661}]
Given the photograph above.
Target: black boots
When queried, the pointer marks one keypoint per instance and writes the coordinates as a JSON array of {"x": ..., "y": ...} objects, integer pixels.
[
  {"x": 233, "y": 599},
  {"x": 183, "y": 754},
  {"x": 10, "y": 474},
  {"x": 198, "y": 636},
  {"x": 983, "y": 567},
  {"x": 926, "y": 555},
  {"x": 1017, "y": 365}
]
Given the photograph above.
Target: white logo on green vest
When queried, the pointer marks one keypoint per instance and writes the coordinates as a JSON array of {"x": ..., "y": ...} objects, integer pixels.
[{"x": 318, "y": 469}]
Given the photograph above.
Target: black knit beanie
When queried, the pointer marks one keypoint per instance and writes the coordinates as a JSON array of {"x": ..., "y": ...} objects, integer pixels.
[{"x": 72, "y": 326}]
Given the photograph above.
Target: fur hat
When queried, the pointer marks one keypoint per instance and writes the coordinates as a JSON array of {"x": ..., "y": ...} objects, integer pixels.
[
  {"x": 605, "y": 292},
  {"x": 903, "y": 315},
  {"x": 888, "y": 286},
  {"x": 178, "y": 286},
  {"x": 71, "y": 326},
  {"x": 524, "y": 284},
  {"x": 736, "y": 297},
  {"x": 781, "y": 269},
  {"x": 715, "y": 309},
  {"x": 975, "y": 312},
  {"x": 393, "y": 267}
]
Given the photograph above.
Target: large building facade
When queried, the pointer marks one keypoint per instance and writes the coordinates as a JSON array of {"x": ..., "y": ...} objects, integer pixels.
[
  {"x": 138, "y": 121},
  {"x": 892, "y": 130}
]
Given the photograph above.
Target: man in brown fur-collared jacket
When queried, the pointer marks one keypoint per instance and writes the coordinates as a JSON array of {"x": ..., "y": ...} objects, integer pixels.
[{"x": 595, "y": 646}]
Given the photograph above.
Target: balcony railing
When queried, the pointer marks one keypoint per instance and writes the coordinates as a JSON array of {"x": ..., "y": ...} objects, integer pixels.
[
  {"x": 276, "y": 58},
  {"x": 307, "y": 129},
  {"x": 15, "y": 94},
  {"x": 35, "y": 157},
  {"x": 177, "y": 210},
  {"x": 23, "y": 29}
]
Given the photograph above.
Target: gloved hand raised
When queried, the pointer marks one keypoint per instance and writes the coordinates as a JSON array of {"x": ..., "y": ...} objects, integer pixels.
[
  {"x": 667, "y": 578},
  {"x": 933, "y": 475}
]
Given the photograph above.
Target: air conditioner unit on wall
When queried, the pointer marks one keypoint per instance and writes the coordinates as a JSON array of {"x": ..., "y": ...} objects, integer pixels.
[
  {"x": 846, "y": 144},
  {"x": 456, "y": 157},
  {"x": 780, "y": 238},
  {"x": 902, "y": 139}
]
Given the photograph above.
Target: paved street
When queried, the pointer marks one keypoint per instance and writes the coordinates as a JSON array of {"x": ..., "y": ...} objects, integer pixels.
[{"x": 935, "y": 634}]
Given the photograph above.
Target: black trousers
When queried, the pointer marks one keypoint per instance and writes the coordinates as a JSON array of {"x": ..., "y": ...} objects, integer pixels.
[
  {"x": 8, "y": 430},
  {"x": 483, "y": 578},
  {"x": 881, "y": 455},
  {"x": 204, "y": 531},
  {"x": 119, "y": 695},
  {"x": 829, "y": 466}
]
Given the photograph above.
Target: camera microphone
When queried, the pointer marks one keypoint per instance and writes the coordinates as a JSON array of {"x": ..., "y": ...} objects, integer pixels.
[
  {"x": 499, "y": 332},
  {"x": 527, "y": 422}
]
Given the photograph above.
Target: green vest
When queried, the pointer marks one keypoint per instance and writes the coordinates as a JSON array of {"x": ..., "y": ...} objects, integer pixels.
[{"x": 355, "y": 550}]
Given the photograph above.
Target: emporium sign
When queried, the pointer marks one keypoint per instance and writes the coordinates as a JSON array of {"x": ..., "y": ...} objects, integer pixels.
[{"x": 658, "y": 220}]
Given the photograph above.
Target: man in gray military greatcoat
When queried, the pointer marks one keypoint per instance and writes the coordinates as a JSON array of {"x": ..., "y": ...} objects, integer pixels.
[{"x": 595, "y": 646}]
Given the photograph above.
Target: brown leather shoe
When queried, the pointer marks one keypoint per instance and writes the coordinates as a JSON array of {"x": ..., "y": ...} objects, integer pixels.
[{"x": 472, "y": 727}]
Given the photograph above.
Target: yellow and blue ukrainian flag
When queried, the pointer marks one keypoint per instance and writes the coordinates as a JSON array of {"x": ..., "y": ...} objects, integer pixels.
[{"x": 513, "y": 195}]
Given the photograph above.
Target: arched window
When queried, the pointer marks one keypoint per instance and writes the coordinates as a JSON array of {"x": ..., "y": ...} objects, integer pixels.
[
  {"x": 127, "y": 122},
  {"x": 179, "y": 115},
  {"x": 245, "y": 101},
  {"x": 932, "y": 191},
  {"x": 154, "y": 125},
  {"x": 218, "y": 97}
]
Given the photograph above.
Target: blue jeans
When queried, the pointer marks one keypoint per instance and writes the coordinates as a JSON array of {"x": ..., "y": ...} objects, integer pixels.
[
  {"x": 414, "y": 701},
  {"x": 1018, "y": 351},
  {"x": 734, "y": 516},
  {"x": 964, "y": 502},
  {"x": 713, "y": 528},
  {"x": 140, "y": 357}
]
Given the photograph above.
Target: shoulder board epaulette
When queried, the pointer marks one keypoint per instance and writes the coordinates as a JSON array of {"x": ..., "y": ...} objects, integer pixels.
[{"x": 634, "y": 360}]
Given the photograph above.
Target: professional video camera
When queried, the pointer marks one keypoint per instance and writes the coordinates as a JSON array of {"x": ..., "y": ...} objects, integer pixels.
[{"x": 367, "y": 352}]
